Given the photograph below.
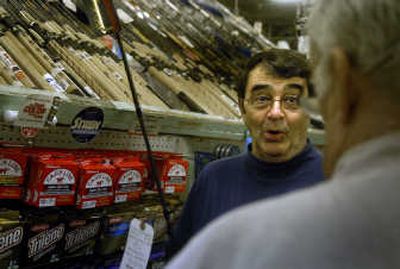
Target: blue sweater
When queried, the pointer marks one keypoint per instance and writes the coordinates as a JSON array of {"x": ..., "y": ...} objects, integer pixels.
[{"x": 229, "y": 183}]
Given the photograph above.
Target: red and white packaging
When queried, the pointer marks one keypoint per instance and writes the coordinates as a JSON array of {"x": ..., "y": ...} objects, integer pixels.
[
  {"x": 13, "y": 162},
  {"x": 129, "y": 184},
  {"x": 12, "y": 166},
  {"x": 95, "y": 188},
  {"x": 52, "y": 180},
  {"x": 172, "y": 171},
  {"x": 173, "y": 174}
]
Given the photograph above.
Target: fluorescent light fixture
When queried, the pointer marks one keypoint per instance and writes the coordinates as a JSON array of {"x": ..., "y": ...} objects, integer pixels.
[{"x": 287, "y": 1}]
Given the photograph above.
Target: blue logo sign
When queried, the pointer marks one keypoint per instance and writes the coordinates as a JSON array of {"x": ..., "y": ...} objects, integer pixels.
[{"x": 87, "y": 124}]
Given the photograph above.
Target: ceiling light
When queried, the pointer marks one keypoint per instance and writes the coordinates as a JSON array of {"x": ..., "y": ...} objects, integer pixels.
[{"x": 287, "y": 1}]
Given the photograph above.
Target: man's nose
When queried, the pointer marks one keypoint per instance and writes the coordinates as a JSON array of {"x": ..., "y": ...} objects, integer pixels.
[{"x": 276, "y": 111}]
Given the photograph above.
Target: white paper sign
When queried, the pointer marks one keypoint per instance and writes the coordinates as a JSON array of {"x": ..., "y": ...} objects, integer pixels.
[
  {"x": 138, "y": 246},
  {"x": 34, "y": 111}
]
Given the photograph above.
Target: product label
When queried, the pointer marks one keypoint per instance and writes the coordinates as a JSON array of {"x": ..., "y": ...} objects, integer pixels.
[
  {"x": 89, "y": 204},
  {"x": 53, "y": 83},
  {"x": 10, "y": 168},
  {"x": 28, "y": 132},
  {"x": 87, "y": 124},
  {"x": 177, "y": 170},
  {"x": 39, "y": 243},
  {"x": 35, "y": 111},
  {"x": 11, "y": 65},
  {"x": 11, "y": 238},
  {"x": 120, "y": 198},
  {"x": 60, "y": 177},
  {"x": 99, "y": 185},
  {"x": 44, "y": 202},
  {"x": 81, "y": 235},
  {"x": 170, "y": 189},
  {"x": 130, "y": 181},
  {"x": 99, "y": 180},
  {"x": 58, "y": 182}
]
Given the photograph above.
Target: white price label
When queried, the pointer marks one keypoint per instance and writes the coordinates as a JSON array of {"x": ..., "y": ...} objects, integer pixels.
[
  {"x": 89, "y": 204},
  {"x": 53, "y": 83},
  {"x": 44, "y": 202},
  {"x": 138, "y": 246},
  {"x": 35, "y": 111},
  {"x": 169, "y": 189},
  {"x": 120, "y": 198}
]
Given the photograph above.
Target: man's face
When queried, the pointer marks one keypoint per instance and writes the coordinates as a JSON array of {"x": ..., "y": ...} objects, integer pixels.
[{"x": 279, "y": 130}]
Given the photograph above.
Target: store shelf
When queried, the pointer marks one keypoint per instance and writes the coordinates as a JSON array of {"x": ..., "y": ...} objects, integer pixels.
[{"x": 121, "y": 116}]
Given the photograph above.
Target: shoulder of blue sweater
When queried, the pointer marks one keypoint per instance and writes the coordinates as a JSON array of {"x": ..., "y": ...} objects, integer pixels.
[{"x": 225, "y": 162}]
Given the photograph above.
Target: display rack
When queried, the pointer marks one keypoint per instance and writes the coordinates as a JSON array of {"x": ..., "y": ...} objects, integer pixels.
[{"x": 171, "y": 130}]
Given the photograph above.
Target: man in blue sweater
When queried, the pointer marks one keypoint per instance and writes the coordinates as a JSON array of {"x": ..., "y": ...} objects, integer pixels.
[{"x": 280, "y": 159}]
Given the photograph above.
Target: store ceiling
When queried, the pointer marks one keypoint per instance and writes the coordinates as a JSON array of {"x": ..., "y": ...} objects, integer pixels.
[{"x": 278, "y": 18}]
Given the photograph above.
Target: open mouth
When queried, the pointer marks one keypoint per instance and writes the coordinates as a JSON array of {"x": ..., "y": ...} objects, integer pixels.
[{"x": 274, "y": 135}]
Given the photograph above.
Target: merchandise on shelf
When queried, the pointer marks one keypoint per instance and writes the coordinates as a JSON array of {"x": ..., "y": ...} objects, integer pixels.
[
  {"x": 43, "y": 238},
  {"x": 45, "y": 45},
  {"x": 115, "y": 231},
  {"x": 95, "y": 188},
  {"x": 12, "y": 173},
  {"x": 53, "y": 179},
  {"x": 11, "y": 235},
  {"x": 129, "y": 183},
  {"x": 172, "y": 171},
  {"x": 82, "y": 230}
]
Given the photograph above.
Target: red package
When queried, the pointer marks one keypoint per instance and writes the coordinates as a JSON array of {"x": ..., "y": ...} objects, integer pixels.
[
  {"x": 172, "y": 171},
  {"x": 129, "y": 183},
  {"x": 95, "y": 187},
  {"x": 173, "y": 174},
  {"x": 12, "y": 166},
  {"x": 52, "y": 180},
  {"x": 10, "y": 192}
]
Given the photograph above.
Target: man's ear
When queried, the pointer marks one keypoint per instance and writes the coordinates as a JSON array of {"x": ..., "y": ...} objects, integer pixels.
[
  {"x": 241, "y": 106},
  {"x": 345, "y": 86}
]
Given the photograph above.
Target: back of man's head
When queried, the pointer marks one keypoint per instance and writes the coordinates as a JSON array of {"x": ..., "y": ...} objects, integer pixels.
[
  {"x": 356, "y": 44},
  {"x": 367, "y": 30}
]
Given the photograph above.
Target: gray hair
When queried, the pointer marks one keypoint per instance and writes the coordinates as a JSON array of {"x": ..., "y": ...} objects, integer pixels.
[{"x": 367, "y": 30}]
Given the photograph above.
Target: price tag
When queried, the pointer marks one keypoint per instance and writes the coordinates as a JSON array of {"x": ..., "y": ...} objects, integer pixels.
[
  {"x": 35, "y": 111},
  {"x": 138, "y": 246},
  {"x": 89, "y": 204},
  {"x": 120, "y": 198},
  {"x": 169, "y": 189},
  {"x": 45, "y": 202},
  {"x": 29, "y": 132}
]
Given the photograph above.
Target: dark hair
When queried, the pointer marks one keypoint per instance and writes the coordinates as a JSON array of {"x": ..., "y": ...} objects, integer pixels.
[{"x": 279, "y": 62}]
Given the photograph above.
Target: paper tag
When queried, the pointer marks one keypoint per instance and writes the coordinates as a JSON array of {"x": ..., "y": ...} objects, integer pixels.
[
  {"x": 53, "y": 83},
  {"x": 138, "y": 246},
  {"x": 35, "y": 111},
  {"x": 123, "y": 16}
]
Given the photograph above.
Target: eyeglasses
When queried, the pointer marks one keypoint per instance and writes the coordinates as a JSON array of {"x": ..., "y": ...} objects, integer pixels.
[{"x": 263, "y": 101}]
